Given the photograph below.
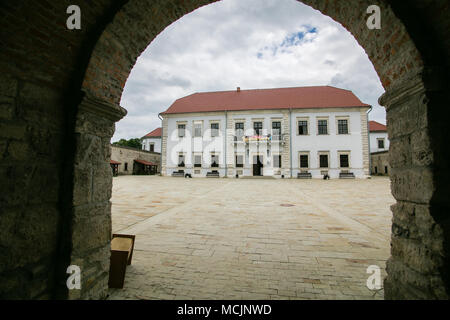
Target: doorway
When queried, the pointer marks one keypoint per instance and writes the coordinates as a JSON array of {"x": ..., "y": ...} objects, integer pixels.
[{"x": 258, "y": 166}]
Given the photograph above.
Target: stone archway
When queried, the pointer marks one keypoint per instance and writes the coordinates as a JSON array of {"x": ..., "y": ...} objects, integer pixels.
[
  {"x": 410, "y": 56},
  {"x": 417, "y": 238}
]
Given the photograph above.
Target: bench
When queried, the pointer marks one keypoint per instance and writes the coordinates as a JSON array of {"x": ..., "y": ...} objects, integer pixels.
[
  {"x": 122, "y": 246},
  {"x": 179, "y": 173},
  {"x": 188, "y": 175},
  {"x": 304, "y": 175},
  {"x": 213, "y": 174},
  {"x": 345, "y": 174}
]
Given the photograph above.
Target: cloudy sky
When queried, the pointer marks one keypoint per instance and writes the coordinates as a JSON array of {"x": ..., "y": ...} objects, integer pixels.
[{"x": 252, "y": 44}]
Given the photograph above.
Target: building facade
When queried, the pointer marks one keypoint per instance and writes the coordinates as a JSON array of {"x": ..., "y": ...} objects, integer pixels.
[
  {"x": 379, "y": 140},
  {"x": 379, "y": 148},
  {"x": 134, "y": 161},
  {"x": 152, "y": 141},
  {"x": 273, "y": 132}
]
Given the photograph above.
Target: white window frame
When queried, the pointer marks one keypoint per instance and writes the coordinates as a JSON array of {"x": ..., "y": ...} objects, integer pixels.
[
  {"x": 348, "y": 153},
  {"x": 318, "y": 159},
  {"x": 348, "y": 125},
  {"x": 308, "y": 128},
  {"x": 327, "y": 119},
  {"x": 201, "y": 129},
  {"x": 304, "y": 153},
  {"x": 211, "y": 130}
]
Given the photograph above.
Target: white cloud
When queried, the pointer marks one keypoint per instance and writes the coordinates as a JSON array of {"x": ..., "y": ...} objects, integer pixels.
[{"x": 231, "y": 43}]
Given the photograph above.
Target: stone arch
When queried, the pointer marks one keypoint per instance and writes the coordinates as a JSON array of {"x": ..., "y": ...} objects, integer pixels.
[
  {"x": 417, "y": 243},
  {"x": 410, "y": 55}
]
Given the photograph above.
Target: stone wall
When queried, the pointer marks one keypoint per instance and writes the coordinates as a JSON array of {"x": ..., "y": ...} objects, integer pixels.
[
  {"x": 128, "y": 155},
  {"x": 380, "y": 163}
]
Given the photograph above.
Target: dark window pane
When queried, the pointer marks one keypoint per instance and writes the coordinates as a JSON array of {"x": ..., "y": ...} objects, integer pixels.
[
  {"x": 304, "y": 163},
  {"x": 181, "y": 161},
  {"x": 324, "y": 161},
  {"x": 343, "y": 126},
  {"x": 323, "y": 126},
  {"x": 215, "y": 161},
  {"x": 152, "y": 147},
  {"x": 303, "y": 128},
  {"x": 344, "y": 160},
  {"x": 258, "y": 128},
  {"x": 381, "y": 144}
]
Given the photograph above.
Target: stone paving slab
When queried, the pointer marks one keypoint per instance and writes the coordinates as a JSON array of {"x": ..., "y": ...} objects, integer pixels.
[{"x": 252, "y": 239}]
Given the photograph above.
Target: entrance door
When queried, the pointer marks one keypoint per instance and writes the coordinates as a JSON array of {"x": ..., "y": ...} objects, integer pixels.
[{"x": 258, "y": 166}]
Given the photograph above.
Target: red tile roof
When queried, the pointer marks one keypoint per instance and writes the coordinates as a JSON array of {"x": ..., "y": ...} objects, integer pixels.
[
  {"x": 154, "y": 134},
  {"x": 114, "y": 162},
  {"x": 377, "y": 127},
  {"x": 145, "y": 162},
  {"x": 283, "y": 98}
]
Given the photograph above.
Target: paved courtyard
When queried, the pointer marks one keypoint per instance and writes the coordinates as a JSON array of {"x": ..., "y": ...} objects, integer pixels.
[{"x": 252, "y": 239}]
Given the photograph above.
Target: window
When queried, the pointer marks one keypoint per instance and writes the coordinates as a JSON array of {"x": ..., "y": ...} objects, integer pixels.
[
  {"x": 214, "y": 129},
  {"x": 304, "y": 161},
  {"x": 344, "y": 161},
  {"x": 197, "y": 129},
  {"x": 258, "y": 128},
  {"x": 239, "y": 161},
  {"x": 181, "y": 162},
  {"x": 197, "y": 161},
  {"x": 376, "y": 170},
  {"x": 126, "y": 167},
  {"x": 277, "y": 161},
  {"x": 239, "y": 126},
  {"x": 323, "y": 160},
  {"x": 276, "y": 130},
  {"x": 343, "y": 126},
  {"x": 386, "y": 170},
  {"x": 181, "y": 130},
  {"x": 323, "y": 126},
  {"x": 303, "y": 127},
  {"x": 214, "y": 161},
  {"x": 380, "y": 143},
  {"x": 152, "y": 147}
]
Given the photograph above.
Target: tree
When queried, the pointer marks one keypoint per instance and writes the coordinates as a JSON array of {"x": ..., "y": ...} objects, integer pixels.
[{"x": 133, "y": 143}]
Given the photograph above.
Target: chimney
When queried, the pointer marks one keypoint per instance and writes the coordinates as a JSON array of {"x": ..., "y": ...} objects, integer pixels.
[{"x": 238, "y": 89}]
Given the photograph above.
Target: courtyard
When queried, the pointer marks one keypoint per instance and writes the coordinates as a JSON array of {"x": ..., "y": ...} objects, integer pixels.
[{"x": 252, "y": 238}]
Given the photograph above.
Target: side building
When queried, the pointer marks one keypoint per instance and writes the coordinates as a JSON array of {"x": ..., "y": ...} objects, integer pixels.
[
  {"x": 127, "y": 161},
  {"x": 287, "y": 132},
  {"x": 152, "y": 141},
  {"x": 379, "y": 148}
]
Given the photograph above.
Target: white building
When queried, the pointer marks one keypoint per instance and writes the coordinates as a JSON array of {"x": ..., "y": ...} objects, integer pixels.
[
  {"x": 311, "y": 131},
  {"x": 379, "y": 148},
  {"x": 152, "y": 141},
  {"x": 379, "y": 140}
]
